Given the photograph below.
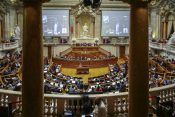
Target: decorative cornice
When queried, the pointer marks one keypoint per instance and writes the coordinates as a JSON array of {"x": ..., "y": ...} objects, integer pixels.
[
  {"x": 134, "y": 1},
  {"x": 4, "y": 6},
  {"x": 164, "y": 7}
]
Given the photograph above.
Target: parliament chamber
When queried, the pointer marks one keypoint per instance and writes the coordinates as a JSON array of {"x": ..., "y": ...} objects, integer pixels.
[{"x": 87, "y": 58}]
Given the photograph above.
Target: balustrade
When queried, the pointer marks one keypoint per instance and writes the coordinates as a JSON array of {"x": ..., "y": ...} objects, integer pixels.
[
  {"x": 162, "y": 46},
  {"x": 56, "y": 104},
  {"x": 7, "y": 46}
]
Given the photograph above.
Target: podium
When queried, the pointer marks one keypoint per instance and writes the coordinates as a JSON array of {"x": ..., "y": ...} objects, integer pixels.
[{"x": 82, "y": 70}]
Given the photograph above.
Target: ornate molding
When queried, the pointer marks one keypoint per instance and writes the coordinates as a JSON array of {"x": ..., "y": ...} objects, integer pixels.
[
  {"x": 72, "y": 3},
  {"x": 163, "y": 7},
  {"x": 5, "y": 6}
]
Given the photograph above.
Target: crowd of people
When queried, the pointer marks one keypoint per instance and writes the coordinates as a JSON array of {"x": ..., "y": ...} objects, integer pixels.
[
  {"x": 10, "y": 66},
  {"x": 116, "y": 80},
  {"x": 56, "y": 82},
  {"x": 161, "y": 71}
]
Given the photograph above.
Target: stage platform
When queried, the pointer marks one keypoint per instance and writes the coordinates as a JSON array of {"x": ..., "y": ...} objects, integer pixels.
[{"x": 82, "y": 70}]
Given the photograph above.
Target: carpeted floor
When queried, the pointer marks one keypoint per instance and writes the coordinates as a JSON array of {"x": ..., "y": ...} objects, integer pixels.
[{"x": 92, "y": 72}]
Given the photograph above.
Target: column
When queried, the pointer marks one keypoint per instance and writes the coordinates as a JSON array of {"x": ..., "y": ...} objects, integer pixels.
[
  {"x": 117, "y": 49},
  {"x": 49, "y": 52},
  {"x": 17, "y": 19},
  {"x": 3, "y": 27},
  {"x": 6, "y": 25},
  {"x": 32, "y": 83},
  {"x": 74, "y": 26},
  {"x": 158, "y": 27},
  {"x": 98, "y": 26},
  {"x": 93, "y": 28},
  {"x": 161, "y": 30},
  {"x": 138, "y": 60},
  {"x": 122, "y": 51},
  {"x": 20, "y": 24},
  {"x": 78, "y": 29},
  {"x": 166, "y": 24}
]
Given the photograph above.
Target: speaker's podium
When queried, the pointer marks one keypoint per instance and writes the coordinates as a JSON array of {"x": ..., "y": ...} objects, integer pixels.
[{"x": 82, "y": 69}]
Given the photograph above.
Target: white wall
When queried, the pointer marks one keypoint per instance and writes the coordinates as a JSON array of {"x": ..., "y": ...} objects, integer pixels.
[
  {"x": 60, "y": 48},
  {"x": 55, "y": 49},
  {"x": 111, "y": 48}
]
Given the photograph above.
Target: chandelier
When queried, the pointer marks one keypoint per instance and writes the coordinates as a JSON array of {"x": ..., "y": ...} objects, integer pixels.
[{"x": 90, "y": 7}]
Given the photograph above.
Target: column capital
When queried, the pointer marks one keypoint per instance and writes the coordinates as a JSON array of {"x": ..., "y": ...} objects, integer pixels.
[{"x": 137, "y": 1}]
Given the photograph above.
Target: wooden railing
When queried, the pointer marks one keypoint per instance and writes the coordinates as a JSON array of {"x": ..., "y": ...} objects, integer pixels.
[{"x": 56, "y": 104}]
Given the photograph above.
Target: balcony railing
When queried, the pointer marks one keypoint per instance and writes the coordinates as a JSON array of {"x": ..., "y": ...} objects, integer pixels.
[
  {"x": 156, "y": 45},
  {"x": 162, "y": 46},
  {"x": 8, "y": 46},
  {"x": 56, "y": 104}
]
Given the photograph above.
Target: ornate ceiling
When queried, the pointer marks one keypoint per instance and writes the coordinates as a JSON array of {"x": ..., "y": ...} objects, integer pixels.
[
  {"x": 4, "y": 6},
  {"x": 65, "y": 3},
  {"x": 164, "y": 7}
]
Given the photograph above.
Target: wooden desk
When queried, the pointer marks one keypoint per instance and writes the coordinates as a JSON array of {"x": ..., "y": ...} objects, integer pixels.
[
  {"x": 82, "y": 70},
  {"x": 88, "y": 63}
]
